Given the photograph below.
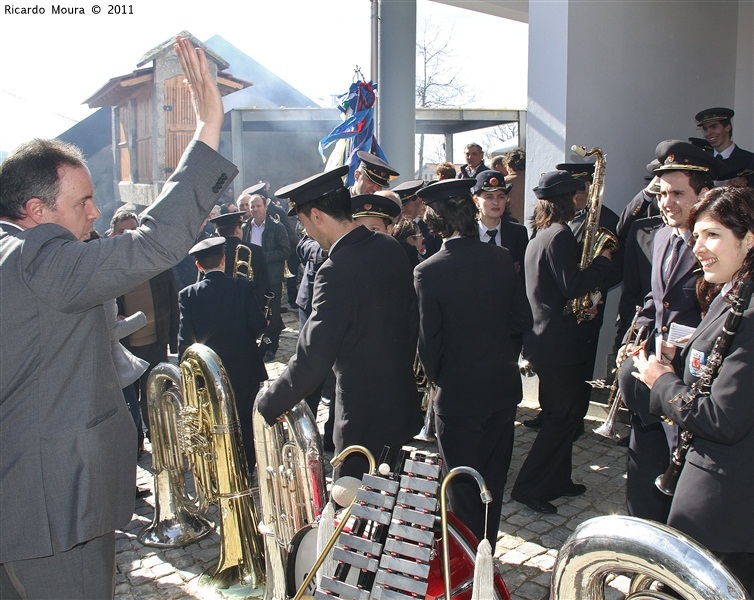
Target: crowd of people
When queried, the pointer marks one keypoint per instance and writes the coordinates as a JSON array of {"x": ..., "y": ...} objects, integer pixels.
[{"x": 446, "y": 270}]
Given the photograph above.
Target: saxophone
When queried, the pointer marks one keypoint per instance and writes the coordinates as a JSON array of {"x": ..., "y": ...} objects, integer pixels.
[{"x": 596, "y": 239}]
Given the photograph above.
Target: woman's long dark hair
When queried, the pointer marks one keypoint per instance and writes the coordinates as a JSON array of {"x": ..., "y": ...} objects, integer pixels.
[
  {"x": 445, "y": 217},
  {"x": 557, "y": 209},
  {"x": 733, "y": 208}
]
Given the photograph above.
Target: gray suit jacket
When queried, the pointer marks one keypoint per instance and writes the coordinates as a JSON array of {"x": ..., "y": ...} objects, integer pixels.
[{"x": 67, "y": 441}]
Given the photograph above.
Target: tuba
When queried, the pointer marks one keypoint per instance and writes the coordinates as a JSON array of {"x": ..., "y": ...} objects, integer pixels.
[
  {"x": 175, "y": 522},
  {"x": 242, "y": 262},
  {"x": 596, "y": 239},
  {"x": 210, "y": 435},
  {"x": 291, "y": 486},
  {"x": 646, "y": 552}
]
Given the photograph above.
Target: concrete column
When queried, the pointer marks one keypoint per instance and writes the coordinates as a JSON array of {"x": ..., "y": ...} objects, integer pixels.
[
  {"x": 236, "y": 145},
  {"x": 396, "y": 81},
  {"x": 449, "y": 147}
]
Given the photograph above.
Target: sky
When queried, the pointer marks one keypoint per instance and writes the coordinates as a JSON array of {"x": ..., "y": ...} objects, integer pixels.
[{"x": 50, "y": 63}]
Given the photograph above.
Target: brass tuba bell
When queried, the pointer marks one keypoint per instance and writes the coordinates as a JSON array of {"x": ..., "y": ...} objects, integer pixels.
[
  {"x": 211, "y": 436},
  {"x": 176, "y": 521}
]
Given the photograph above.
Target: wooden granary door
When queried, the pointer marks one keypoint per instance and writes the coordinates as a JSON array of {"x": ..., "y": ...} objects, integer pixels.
[{"x": 180, "y": 121}]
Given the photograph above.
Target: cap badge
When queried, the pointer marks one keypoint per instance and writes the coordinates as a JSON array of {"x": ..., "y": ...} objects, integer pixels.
[
  {"x": 494, "y": 181},
  {"x": 367, "y": 207}
]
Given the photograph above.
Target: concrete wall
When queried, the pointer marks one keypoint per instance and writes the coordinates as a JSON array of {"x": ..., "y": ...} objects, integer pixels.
[{"x": 278, "y": 157}]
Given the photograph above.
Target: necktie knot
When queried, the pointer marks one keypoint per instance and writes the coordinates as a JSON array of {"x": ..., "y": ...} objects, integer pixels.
[{"x": 492, "y": 233}]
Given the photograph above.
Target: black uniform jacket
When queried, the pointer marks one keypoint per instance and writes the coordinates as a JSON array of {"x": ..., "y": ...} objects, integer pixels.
[
  {"x": 515, "y": 238},
  {"x": 552, "y": 278},
  {"x": 223, "y": 313},
  {"x": 713, "y": 500},
  {"x": 637, "y": 270},
  {"x": 673, "y": 301},
  {"x": 363, "y": 326},
  {"x": 471, "y": 301}
]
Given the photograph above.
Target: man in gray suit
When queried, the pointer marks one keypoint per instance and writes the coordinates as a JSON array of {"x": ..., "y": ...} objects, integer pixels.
[{"x": 65, "y": 482}]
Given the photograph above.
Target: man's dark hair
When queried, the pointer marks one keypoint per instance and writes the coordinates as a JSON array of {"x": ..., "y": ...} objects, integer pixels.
[
  {"x": 212, "y": 261},
  {"x": 558, "y": 209},
  {"x": 336, "y": 204},
  {"x": 227, "y": 231},
  {"x": 445, "y": 170},
  {"x": 122, "y": 215},
  {"x": 32, "y": 171},
  {"x": 698, "y": 180},
  {"x": 445, "y": 217},
  {"x": 497, "y": 161}
]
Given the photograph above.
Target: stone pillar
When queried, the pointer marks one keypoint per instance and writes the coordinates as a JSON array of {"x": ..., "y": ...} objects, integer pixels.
[{"x": 396, "y": 81}]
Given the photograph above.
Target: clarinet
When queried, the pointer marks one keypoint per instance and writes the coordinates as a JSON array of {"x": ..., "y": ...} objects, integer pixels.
[
  {"x": 264, "y": 341},
  {"x": 667, "y": 482}
]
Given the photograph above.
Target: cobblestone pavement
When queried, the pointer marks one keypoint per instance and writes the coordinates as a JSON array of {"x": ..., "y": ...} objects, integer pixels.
[{"x": 527, "y": 543}]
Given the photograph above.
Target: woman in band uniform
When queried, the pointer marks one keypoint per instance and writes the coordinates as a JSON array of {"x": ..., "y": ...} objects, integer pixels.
[
  {"x": 556, "y": 346},
  {"x": 714, "y": 498}
]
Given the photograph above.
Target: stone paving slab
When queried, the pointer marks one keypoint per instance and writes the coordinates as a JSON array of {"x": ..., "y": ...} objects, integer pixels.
[{"x": 527, "y": 542}]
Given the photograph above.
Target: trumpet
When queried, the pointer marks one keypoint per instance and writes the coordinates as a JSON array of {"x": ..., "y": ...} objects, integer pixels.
[
  {"x": 615, "y": 397},
  {"x": 242, "y": 262}
]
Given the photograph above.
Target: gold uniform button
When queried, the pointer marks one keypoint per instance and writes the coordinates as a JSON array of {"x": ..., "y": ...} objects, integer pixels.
[
  {"x": 664, "y": 329},
  {"x": 666, "y": 304}
]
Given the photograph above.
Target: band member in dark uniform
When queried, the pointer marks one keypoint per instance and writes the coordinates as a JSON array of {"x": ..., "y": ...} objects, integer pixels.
[
  {"x": 685, "y": 172},
  {"x": 412, "y": 208},
  {"x": 222, "y": 312},
  {"x": 495, "y": 224},
  {"x": 363, "y": 326},
  {"x": 713, "y": 497},
  {"x": 555, "y": 346},
  {"x": 471, "y": 354},
  {"x": 372, "y": 175},
  {"x": 229, "y": 226}
]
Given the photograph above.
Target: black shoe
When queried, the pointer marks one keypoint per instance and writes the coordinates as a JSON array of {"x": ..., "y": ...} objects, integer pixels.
[
  {"x": 576, "y": 489},
  {"x": 540, "y": 506},
  {"x": 294, "y": 306},
  {"x": 283, "y": 309},
  {"x": 623, "y": 442},
  {"x": 534, "y": 423},
  {"x": 143, "y": 492},
  {"x": 269, "y": 356}
]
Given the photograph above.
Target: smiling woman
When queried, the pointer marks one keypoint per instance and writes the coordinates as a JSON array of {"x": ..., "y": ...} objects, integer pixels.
[{"x": 707, "y": 390}]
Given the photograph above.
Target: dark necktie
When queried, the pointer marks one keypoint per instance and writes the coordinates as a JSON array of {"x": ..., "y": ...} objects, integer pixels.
[
  {"x": 675, "y": 252},
  {"x": 492, "y": 233}
]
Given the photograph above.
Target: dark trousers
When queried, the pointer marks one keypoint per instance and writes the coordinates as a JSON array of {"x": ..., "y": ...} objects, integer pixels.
[
  {"x": 546, "y": 472},
  {"x": 154, "y": 354},
  {"x": 276, "y": 321},
  {"x": 85, "y": 571},
  {"x": 485, "y": 443},
  {"x": 648, "y": 451},
  {"x": 132, "y": 401},
  {"x": 245, "y": 407},
  {"x": 648, "y": 457}
]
